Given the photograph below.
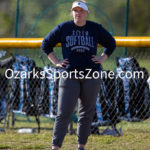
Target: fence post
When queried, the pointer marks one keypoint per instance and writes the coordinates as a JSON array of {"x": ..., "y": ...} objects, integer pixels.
[
  {"x": 17, "y": 18},
  {"x": 126, "y": 25}
]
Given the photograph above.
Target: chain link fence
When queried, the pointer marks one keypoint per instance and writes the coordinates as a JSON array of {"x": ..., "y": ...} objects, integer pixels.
[
  {"x": 33, "y": 91},
  {"x": 28, "y": 86}
]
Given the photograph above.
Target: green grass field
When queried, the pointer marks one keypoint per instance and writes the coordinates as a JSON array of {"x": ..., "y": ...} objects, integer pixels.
[{"x": 135, "y": 137}]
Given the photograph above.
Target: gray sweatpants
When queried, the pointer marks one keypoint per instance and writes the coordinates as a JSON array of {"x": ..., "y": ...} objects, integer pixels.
[{"x": 69, "y": 92}]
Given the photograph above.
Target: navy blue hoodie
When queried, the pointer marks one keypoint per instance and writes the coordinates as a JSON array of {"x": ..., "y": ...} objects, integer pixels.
[{"x": 79, "y": 43}]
